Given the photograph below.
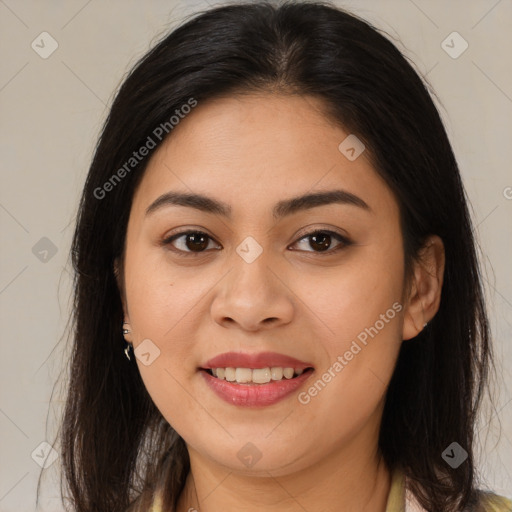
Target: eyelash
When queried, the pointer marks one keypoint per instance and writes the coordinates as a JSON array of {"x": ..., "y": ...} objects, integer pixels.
[{"x": 345, "y": 242}]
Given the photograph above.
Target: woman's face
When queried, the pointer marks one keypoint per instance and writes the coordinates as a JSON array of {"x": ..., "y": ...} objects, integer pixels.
[{"x": 256, "y": 284}]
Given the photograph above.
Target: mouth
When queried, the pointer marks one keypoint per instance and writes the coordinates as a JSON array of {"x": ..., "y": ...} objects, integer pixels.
[{"x": 255, "y": 380}]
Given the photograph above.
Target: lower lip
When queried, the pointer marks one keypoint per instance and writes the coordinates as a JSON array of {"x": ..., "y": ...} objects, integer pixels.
[{"x": 255, "y": 395}]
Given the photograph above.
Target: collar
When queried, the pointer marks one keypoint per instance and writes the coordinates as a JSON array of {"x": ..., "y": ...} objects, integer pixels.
[{"x": 400, "y": 499}]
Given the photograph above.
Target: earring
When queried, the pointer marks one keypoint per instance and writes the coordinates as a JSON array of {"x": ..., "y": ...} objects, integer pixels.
[
  {"x": 128, "y": 345},
  {"x": 127, "y": 350}
]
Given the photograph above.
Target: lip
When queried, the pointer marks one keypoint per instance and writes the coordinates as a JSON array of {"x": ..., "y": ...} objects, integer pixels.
[
  {"x": 255, "y": 361},
  {"x": 254, "y": 395}
]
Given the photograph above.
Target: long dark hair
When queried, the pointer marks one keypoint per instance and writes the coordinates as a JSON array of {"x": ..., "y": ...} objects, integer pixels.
[{"x": 116, "y": 445}]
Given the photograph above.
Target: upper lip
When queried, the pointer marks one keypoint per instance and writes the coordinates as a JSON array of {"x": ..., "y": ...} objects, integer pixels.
[{"x": 260, "y": 360}]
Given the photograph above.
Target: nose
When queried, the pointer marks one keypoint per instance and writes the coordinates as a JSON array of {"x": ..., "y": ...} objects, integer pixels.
[{"x": 253, "y": 296}]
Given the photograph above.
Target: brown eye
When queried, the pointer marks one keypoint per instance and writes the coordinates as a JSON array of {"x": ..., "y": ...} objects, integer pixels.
[
  {"x": 189, "y": 241},
  {"x": 321, "y": 241}
]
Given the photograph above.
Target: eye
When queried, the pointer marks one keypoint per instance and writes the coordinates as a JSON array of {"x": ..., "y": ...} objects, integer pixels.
[
  {"x": 321, "y": 240},
  {"x": 197, "y": 242},
  {"x": 193, "y": 242}
]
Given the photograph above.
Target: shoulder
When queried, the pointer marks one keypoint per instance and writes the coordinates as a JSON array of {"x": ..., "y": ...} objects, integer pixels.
[
  {"x": 402, "y": 499},
  {"x": 493, "y": 503}
]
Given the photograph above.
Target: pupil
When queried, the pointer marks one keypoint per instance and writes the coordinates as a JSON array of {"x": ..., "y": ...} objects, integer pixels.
[
  {"x": 323, "y": 246},
  {"x": 198, "y": 241}
]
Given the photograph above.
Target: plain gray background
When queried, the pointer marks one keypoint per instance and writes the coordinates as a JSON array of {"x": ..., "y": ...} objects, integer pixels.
[{"x": 52, "y": 110}]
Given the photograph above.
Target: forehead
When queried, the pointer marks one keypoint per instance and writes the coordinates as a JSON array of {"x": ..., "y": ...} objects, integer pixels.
[{"x": 252, "y": 151}]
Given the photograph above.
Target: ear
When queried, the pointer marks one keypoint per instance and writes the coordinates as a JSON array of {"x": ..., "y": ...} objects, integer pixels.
[
  {"x": 424, "y": 295},
  {"x": 118, "y": 272}
]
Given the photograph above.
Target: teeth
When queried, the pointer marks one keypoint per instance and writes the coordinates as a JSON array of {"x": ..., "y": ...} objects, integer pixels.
[
  {"x": 230, "y": 374},
  {"x": 257, "y": 375},
  {"x": 277, "y": 373},
  {"x": 288, "y": 373},
  {"x": 261, "y": 375},
  {"x": 243, "y": 375}
]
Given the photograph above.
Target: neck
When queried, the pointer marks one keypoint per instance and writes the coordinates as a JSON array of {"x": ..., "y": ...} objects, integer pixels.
[{"x": 349, "y": 479}]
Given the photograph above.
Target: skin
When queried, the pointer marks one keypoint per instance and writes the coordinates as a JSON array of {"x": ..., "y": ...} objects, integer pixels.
[{"x": 251, "y": 152}]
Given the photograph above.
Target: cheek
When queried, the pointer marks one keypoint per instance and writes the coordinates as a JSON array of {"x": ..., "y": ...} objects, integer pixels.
[
  {"x": 162, "y": 298},
  {"x": 353, "y": 295},
  {"x": 360, "y": 306},
  {"x": 162, "y": 308},
  {"x": 349, "y": 388}
]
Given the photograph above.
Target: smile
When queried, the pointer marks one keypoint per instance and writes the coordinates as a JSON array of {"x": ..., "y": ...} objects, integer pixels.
[{"x": 254, "y": 380}]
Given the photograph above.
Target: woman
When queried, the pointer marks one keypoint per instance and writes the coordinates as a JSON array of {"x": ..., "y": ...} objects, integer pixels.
[{"x": 278, "y": 303}]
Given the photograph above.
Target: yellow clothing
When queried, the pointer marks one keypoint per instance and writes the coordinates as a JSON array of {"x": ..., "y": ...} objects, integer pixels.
[{"x": 400, "y": 500}]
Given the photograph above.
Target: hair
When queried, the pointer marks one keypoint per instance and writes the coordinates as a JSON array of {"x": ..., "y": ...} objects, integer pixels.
[{"x": 117, "y": 448}]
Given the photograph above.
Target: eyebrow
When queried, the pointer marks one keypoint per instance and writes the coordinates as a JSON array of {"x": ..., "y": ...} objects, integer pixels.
[{"x": 281, "y": 209}]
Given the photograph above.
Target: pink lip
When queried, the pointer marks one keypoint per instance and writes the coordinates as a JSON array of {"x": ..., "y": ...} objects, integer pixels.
[
  {"x": 254, "y": 395},
  {"x": 261, "y": 360}
]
